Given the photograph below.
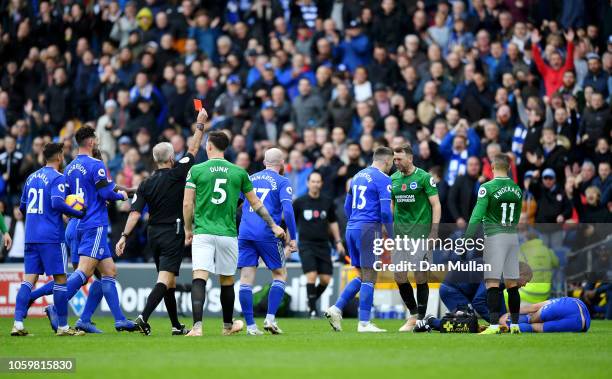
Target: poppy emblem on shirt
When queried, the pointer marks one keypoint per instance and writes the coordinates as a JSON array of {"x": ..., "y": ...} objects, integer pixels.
[
  {"x": 316, "y": 214},
  {"x": 404, "y": 186}
]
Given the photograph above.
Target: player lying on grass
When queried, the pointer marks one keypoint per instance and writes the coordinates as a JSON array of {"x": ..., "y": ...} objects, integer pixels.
[
  {"x": 43, "y": 203},
  {"x": 565, "y": 314},
  {"x": 256, "y": 241},
  {"x": 461, "y": 295},
  {"x": 367, "y": 206}
]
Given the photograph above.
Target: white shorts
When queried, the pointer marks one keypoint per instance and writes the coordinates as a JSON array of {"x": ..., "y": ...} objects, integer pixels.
[{"x": 215, "y": 254}]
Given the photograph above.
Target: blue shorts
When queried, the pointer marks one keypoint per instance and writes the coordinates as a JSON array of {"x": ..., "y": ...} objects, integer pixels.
[
  {"x": 45, "y": 258},
  {"x": 92, "y": 243},
  {"x": 271, "y": 252},
  {"x": 360, "y": 243},
  {"x": 71, "y": 240},
  {"x": 563, "y": 315}
]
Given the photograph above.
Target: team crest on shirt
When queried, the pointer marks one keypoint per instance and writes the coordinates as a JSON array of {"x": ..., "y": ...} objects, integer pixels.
[
  {"x": 413, "y": 185},
  {"x": 308, "y": 214},
  {"x": 404, "y": 186},
  {"x": 482, "y": 192}
]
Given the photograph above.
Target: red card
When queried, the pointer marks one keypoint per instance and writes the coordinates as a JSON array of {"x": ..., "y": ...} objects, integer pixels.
[{"x": 197, "y": 104}]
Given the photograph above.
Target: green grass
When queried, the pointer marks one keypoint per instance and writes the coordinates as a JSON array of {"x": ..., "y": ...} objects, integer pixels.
[{"x": 309, "y": 349}]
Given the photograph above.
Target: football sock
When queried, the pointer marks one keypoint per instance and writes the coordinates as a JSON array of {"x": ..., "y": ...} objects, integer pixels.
[
  {"x": 494, "y": 304},
  {"x": 320, "y": 289},
  {"x": 407, "y": 294},
  {"x": 44, "y": 290},
  {"x": 525, "y": 327},
  {"x": 514, "y": 304},
  {"x": 311, "y": 292},
  {"x": 75, "y": 282},
  {"x": 227, "y": 303},
  {"x": 524, "y": 319},
  {"x": 109, "y": 289},
  {"x": 23, "y": 298},
  {"x": 93, "y": 299},
  {"x": 170, "y": 302},
  {"x": 198, "y": 296},
  {"x": 349, "y": 293},
  {"x": 366, "y": 298},
  {"x": 275, "y": 297},
  {"x": 60, "y": 299},
  {"x": 155, "y": 297},
  {"x": 245, "y": 295},
  {"x": 422, "y": 298}
]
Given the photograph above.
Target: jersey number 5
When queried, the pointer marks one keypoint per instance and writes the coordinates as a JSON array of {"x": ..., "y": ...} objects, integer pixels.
[
  {"x": 359, "y": 191},
  {"x": 218, "y": 189}
]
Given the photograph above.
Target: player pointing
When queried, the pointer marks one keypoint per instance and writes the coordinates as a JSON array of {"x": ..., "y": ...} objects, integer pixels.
[
  {"x": 416, "y": 214},
  {"x": 367, "y": 206},
  {"x": 215, "y": 186},
  {"x": 498, "y": 207},
  {"x": 257, "y": 241}
]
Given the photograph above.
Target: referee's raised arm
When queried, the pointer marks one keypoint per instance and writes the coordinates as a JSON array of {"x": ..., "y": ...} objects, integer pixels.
[{"x": 202, "y": 126}]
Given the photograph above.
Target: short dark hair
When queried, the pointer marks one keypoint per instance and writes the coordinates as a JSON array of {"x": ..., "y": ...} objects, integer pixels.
[
  {"x": 314, "y": 173},
  {"x": 501, "y": 162},
  {"x": 84, "y": 133},
  {"x": 52, "y": 149},
  {"x": 219, "y": 139},
  {"x": 405, "y": 148},
  {"x": 382, "y": 152}
]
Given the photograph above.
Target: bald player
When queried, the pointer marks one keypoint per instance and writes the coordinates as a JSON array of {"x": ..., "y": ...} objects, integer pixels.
[{"x": 256, "y": 240}]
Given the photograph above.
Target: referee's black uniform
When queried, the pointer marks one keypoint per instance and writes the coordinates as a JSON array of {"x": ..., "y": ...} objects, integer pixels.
[
  {"x": 313, "y": 217},
  {"x": 163, "y": 193}
]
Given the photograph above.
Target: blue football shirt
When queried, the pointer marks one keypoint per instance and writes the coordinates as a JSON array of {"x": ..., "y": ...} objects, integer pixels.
[
  {"x": 43, "y": 224},
  {"x": 272, "y": 189},
  {"x": 82, "y": 175},
  {"x": 368, "y": 187}
]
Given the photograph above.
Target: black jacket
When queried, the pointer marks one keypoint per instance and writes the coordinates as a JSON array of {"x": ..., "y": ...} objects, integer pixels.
[
  {"x": 462, "y": 197},
  {"x": 551, "y": 203}
]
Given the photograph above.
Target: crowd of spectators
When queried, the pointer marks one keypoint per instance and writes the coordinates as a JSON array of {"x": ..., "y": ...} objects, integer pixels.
[{"x": 327, "y": 82}]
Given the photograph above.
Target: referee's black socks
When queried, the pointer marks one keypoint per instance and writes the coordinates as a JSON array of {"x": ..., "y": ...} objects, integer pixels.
[
  {"x": 170, "y": 301},
  {"x": 155, "y": 297},
  {"x": 514, "y": 304},
  {"x": 407, "y": 294},
  {"x": 422, "y": 299},
  {"x": 494, "y": 304},
  {"x": 227, "y": 303},
  {"x": 311, "y": 292},
  {"x": 198, "y": 296}
]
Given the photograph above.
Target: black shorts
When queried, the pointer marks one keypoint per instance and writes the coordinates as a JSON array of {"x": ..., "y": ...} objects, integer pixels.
[
  {"x": 167, "y": 247},
  {"x": 315, "y": 256}
]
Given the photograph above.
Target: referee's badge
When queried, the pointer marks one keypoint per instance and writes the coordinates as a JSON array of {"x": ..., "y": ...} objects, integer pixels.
[
  {"x": 184, "y": 160},
  {"x": 323, "y": 215},
  {"x": 308, "y": 214}
]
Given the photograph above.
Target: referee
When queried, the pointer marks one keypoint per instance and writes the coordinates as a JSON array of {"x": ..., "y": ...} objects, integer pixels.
[
  {"x": 316, "y": 217},
  {"x": 163, "y": 193}
]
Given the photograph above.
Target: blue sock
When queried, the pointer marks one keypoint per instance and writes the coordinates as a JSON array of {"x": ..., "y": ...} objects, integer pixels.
[
  {"x": 75, "y": 282},
  {"x": 524, "y": 319},
  {"x": 246, "y": 303},
  {"x": 93, "y": 299},
  {"x": 60, "y": 299},
  {"x": 44, "y": 290},
  {"x": 112, "y": 298},
  {"x": 349, "y": 293},
  {"x": 366, "y": 298},
  {"x": 525, "y": 327},
  {"x": 22, "y": 301},
  {"x": 277, "y": 290}
]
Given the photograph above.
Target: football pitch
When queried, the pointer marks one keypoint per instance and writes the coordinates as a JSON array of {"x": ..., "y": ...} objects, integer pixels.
[{"x": 309, "y": 349}]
